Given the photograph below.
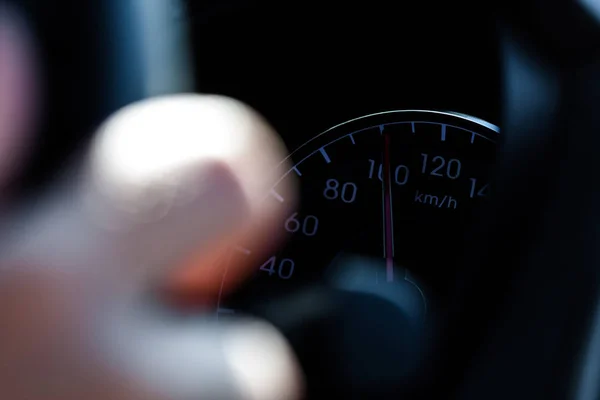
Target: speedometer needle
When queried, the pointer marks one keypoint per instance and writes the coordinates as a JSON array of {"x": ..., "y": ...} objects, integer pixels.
[{"x": 387, "y": 210}]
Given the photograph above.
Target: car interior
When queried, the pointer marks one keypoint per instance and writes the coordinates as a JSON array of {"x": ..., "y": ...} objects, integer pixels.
[{"x": 446, "y": 243}]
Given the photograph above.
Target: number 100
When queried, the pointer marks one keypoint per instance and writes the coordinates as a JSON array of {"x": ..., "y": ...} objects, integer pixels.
[{"x": 400, "y": 173}]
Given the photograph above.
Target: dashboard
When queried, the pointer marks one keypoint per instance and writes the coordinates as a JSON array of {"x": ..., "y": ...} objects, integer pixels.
[
  {"x": 313, "y": 66},
  {"x": 391, "y": 118},
  {"x": 444, "y": 245},
  {"x": 390, "y": 186}
]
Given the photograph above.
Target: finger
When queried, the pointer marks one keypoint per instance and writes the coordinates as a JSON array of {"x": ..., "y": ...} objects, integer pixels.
[
  {"x": 237, "y": 359},
  {"x": 137, "y": 353},
  {"x": 166, "y": 180},
  {"x": 206, "y": 163},
  {"x": 189, "y": 175},
  {"x": 18, "y": 94}
]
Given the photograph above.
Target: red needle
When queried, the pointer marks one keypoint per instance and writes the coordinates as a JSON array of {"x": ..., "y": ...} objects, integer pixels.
[{"x": 387, "y": 210}]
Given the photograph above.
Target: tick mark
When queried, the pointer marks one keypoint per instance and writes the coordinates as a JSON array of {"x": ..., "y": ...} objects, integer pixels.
[
  {"x": 242, "y": 250},
  {"x": 297, "y": 171},
  {"x": 352, "y": 138},
  {"x": 381, "y": 127},
  {"x": 443, "y": 133},
  {"x": 325, "y": 155},
  {"x": 472, "y": 137},
  {"x": 277, "y": 195},
  {"x": 412, "y": 127}
]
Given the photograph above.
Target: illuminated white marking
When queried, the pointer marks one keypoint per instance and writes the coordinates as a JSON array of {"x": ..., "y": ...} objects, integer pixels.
[
  {"x": 352, "y": 138},
  {"x": 412, "y": 126},
  {"x": 383, "y": 218},
  {"x": 381, "y": 127},
  {"x": 325, "y": 155},
  {"x": 472, "y": 137},
  {"x": 392, "y": 219},
  {"x": 296, "y": 170},
  {"x": 242, "y": 250},
  {"x": 399, "y": 112},
  {"x": 443, "y": 133},
  {"x": 277, "y": 195},
  {"x": 408, "y": 278}
]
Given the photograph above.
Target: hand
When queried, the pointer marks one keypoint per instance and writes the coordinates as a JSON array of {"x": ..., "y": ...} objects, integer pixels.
[{"x": 167, "y": 187}]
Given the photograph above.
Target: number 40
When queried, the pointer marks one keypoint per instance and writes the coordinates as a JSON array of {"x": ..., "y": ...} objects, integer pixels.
[{"x": 285, "y": 267}]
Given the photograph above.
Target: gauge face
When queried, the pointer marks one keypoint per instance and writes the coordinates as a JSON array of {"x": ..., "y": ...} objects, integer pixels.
[{"x": 400, "y": 186}]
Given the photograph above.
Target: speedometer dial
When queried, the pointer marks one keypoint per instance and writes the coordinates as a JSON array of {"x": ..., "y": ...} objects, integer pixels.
[{"x": 401, "y": 186}]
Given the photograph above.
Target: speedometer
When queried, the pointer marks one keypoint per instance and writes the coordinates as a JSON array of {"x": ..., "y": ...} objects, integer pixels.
[{"x": 400, "y": 186}]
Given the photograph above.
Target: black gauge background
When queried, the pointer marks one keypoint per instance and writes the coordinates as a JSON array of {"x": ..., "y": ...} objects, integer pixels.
[
  {"x": 308, "y": 66},
  {"x": 430, "y": 242},
  {"x": 305, "y": 66}
]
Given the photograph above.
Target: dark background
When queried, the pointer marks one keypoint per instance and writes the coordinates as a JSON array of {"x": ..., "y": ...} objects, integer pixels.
[
  {"x": 310, "y": 65},
  {"x": 304, "y": 65}
]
